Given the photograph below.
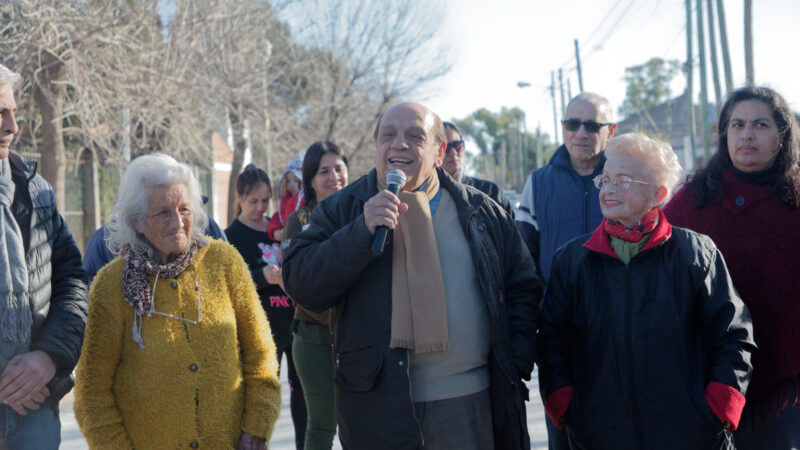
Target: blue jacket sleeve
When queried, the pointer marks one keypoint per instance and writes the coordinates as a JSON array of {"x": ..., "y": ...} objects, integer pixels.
[{"x": 97, "y": 254}]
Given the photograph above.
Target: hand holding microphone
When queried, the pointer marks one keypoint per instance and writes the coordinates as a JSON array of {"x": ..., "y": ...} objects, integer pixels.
[{"x": 382, "y": 211}]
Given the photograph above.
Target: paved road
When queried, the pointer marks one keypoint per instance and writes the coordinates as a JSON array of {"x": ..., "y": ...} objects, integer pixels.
[{"x": 283, "y": 436}]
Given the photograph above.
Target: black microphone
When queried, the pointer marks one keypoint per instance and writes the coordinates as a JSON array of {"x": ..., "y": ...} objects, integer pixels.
[{"x": 395, "y": 181}]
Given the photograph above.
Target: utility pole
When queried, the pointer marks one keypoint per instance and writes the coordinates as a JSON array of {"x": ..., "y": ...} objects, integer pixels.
[
  {"x": 520, "y": 147},
  {"x": 569, "y": 88},
  {"x": 523, "y": 152},
  {"x": 503, "y": 162},
  {"x": 539, "y": 155},
  {"x": 561, "y": 88},
  {"x": 723, "y": 41},
  {"x": 748, "y": 42},
  {"x": 703, "y": 83},
  {"x": 553, "y": 96},
  {"x": 712, "y": 43},
  {"x": 578, "y": 62},
  {"x": 267, "y": 56},
  {"x": 690, "y": 78}
]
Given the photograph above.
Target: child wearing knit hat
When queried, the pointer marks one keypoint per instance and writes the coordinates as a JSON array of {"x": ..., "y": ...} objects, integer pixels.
[{"x": 291, "y": 192}]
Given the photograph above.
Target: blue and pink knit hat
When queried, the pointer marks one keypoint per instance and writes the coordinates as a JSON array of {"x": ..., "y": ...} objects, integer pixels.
[{"x": 296, "y": 166}]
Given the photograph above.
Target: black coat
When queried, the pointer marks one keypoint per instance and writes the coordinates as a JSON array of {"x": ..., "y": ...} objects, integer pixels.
[
  {"x": 330, "y": 265},
  {"x": 57, "y": 281},
  {"x": 490, "y": 189},
  {"x": 640, "y": 343}
]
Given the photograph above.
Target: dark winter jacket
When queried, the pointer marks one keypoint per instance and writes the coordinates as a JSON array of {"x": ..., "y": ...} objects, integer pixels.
[
  {"x": 330, "y": 265},
  {"x": 646, "y": 346},
  {"x": 557, "y": 205},
  {"x": 490, "y": 189},
  {"x": 58, "y": 290}
]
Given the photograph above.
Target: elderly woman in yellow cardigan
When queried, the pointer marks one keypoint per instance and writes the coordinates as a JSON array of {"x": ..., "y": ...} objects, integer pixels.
[{"x": 178, "y": 352}]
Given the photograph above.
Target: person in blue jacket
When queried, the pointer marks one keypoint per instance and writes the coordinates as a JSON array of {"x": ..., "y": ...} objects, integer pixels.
[
  {"x": 98, "y": 255},
  {"x": 559, "y": 201}
]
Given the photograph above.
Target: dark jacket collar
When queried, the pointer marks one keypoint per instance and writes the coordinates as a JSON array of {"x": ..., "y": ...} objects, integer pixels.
[
  {"x": 466, "y": 200},
  {"x": 561, "y": 159},
  {"x": 600, "y": 243},
  {"x": 20, "y": 168}
]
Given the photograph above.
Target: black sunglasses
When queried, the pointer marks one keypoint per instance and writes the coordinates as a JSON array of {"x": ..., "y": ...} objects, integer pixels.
[
  {"x": 590, "y": 125},
  {"x": 458, "y": 146}
]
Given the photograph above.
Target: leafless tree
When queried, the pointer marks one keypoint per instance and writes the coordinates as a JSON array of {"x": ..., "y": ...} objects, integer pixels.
[
  {"x": 85, "y": 62},
  {"x": 286, "y": 73},
  {"x": 230, "y": 44},
  {"x": 369, "y": 55}
]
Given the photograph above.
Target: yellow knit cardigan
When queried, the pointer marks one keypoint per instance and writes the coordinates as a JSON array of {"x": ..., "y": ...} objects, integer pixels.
[{"x": 193, "y": 385}]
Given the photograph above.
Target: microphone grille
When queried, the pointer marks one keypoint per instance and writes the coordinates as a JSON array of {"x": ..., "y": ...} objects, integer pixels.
[{"x": 397, "y": 177}]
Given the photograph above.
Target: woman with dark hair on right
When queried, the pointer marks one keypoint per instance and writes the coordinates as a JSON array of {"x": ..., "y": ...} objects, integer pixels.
[
  {"x": 324, "y": 173},
  {"x": 747, "y": 199}
]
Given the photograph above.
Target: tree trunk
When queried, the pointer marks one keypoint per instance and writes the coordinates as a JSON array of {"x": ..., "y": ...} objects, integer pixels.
[
  {"x": 91, "y": 218},
  {"x": 49, "y": 97},
  {"x": 239, "y": 147}
]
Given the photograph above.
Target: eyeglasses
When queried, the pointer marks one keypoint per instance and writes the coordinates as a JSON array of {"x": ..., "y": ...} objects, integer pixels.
[
  {"x": 182, "y": 319},
  {"x": 590, "y": 125},
  {"x": 622, "y": 182},
  {"x": 458, "y": 146}
]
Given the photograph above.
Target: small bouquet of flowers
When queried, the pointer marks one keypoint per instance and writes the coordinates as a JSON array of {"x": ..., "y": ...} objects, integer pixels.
[{"x": 271, "y": 253}]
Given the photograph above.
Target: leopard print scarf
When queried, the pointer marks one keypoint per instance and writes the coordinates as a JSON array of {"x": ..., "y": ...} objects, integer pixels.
[{"x": 136, "y": 285}]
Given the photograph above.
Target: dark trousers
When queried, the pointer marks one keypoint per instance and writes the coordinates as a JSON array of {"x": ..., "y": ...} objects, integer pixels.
[
  {"x": 315, "y": 368},
  {"x": 297, "y": 404},
  {"x": 781, "y": 432},
  {"x": 556, "y": 439},
  {"x": 464, "y": 422}
]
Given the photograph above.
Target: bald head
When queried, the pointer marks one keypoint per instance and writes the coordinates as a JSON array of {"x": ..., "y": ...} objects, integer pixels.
[
  {"x": 605, "y": 113},
  {"x": 587, "y": 127},
  {"x": 436, "y": 122},
  {"x": 409, "y": 137}
]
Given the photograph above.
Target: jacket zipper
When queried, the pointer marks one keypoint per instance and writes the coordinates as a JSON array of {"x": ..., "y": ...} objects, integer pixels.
[
  {"x": 501, "y": 295},
  {"x": 585, "y": 206},
  {"x": 629, "y": 351},
  {"x": 413, "y": 413}
]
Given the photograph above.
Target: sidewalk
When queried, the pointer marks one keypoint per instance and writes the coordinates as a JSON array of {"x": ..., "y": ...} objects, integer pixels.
[{"x": 283, "y": 436}]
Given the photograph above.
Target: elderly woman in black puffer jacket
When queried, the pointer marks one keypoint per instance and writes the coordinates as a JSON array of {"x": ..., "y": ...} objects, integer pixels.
[{"x": 644, "y": 342}]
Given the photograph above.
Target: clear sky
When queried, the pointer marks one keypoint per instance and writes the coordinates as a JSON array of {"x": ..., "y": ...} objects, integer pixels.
[{"x": 497, "y": 43}]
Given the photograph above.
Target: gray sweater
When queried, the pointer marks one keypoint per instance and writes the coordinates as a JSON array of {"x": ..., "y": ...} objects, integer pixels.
[{"x": 462, "y": 369}]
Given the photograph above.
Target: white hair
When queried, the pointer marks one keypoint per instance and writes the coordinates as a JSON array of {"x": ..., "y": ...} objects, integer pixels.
[
  {"x": 8, "y": 76},
  {"x": 600, "y": 103},
  {"x": 660, "y": 157},
  {"x": 145, "y": 173}
]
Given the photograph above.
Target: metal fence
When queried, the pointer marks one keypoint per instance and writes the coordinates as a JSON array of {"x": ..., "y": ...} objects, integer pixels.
[{"x": 109, "y": 174}]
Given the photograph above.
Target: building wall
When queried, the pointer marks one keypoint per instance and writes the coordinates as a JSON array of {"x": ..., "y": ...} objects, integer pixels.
[{"x": 220, "y": 176}]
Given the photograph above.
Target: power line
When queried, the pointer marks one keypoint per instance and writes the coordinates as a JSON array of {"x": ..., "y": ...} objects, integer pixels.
[{"x": 602, "y": 22}]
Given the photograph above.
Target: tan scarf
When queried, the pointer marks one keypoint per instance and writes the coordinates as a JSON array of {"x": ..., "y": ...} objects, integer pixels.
[{"x": 419, "y": 309}]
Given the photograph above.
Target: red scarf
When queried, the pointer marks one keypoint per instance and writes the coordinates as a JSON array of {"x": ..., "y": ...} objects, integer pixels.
[{"x": 646, "y": 225}]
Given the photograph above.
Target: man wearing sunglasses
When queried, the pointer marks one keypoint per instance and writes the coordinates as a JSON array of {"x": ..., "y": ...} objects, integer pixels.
[
  {"x": 559, "y": 201},
  {"x": 453, "y": 164}
]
